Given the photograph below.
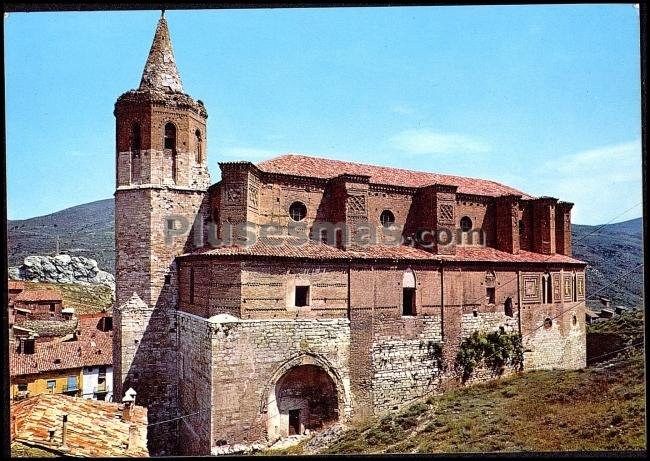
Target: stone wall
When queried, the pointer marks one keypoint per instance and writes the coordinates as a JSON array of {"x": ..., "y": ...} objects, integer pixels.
[
  {"x": 194, "y": 383},
  {"x": 249, "y": 356},
  {"x": 405, "y": 369}
]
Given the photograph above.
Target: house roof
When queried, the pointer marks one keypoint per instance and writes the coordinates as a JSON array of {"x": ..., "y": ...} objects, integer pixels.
[
  {"x": 92, "y": 427},
  {"x": 38, "y": 295},
  {"x": 93, "y": 347},
  {"x": 316, "y": 167},
  {"x": 286, "y": 248},
  {"x": 49, "y": 327},
  {"x": 16, "y": 285}
]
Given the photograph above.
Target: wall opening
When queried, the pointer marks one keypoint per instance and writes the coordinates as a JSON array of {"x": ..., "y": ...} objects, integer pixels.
[
  {"x": 408, "y": 293},
  {"x": 507, "y": 307},
  {"x": 547, "y": 289},
  {"x": 305, "y": 397},
  {"x": 136, "y": 144},
  {"x": 302, "y": 296},
  {"x": 490, "y": 295},
  {"x": 170, "y": 144},
  {"x": 199, "y": 147}
]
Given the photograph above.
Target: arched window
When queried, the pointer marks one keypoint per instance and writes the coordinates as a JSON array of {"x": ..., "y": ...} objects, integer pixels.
[
  {"x": 136, "y": 144},
  {"x": 507, "y": 307},
  {"x": 136, "y": 140},
  {"x": 387, "y": 218},
  {"x": 547, "y": 289},
  {"x": 170, "y": 143},
  {"x": 199, "y": 147},
  {"x": 408, "y": 293},
  {"x": 575, "y": 287},
  {"x": 297, "y": 211},
  {"x": 465, "y": 224},
  {"x": 170, "y": 136}
]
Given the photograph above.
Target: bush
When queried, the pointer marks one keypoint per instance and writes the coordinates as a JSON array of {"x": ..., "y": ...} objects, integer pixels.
[{"x": 497, "y": 350}]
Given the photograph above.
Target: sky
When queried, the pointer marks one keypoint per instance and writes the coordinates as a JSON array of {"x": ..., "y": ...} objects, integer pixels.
[{"x": 543, "y": 98}]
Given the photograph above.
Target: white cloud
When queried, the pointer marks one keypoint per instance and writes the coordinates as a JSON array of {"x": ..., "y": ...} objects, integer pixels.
[
  {"x": 424, "y": 141},
  {"x": 603, "y": 182}
]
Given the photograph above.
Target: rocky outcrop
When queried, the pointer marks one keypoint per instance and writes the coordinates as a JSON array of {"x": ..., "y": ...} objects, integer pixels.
[{"x": 62, "y": 269}]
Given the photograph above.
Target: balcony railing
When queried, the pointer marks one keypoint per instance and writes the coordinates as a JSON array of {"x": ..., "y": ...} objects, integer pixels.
[{"x": 72, "y": 387}]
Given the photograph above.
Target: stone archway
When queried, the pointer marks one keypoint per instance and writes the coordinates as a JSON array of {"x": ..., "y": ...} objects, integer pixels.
[{"x": 304, "y": 394}]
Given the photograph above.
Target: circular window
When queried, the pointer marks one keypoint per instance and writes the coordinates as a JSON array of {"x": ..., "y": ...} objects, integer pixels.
[
  {"x": 387, "y": 218},
  {"x": 548, "y": 323},
  {"x": 465, "y": 224},
  {"x": 297, "y": 211},
  {"x": 575, "y": 320}
]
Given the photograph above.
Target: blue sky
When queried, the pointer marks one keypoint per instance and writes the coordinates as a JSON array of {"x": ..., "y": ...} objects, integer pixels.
[{"x": 543, "y": 98}]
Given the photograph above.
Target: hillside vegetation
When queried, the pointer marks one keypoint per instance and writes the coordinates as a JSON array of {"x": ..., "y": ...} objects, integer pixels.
[
  {"x": 598, "y": 408},
  {"x": 84, "y": 298}
]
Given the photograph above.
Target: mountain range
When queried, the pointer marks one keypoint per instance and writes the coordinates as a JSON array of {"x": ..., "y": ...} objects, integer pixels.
[{"x": 614, "y": 251}]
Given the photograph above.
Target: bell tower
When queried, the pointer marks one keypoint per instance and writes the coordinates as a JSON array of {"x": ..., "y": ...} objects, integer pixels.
[{"x": 161, "y": 183}]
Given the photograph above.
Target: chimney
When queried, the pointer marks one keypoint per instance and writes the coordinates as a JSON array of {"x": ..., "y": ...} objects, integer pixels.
[
  {"x": 128, "y": 401},
  {"x": 65, "y": 430}
]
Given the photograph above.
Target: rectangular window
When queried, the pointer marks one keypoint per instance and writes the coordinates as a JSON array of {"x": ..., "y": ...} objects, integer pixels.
[
  {"x": 52, "y": 307},
  {"x": 191, "y": 285},
  {"x": 302, "y": 296},
  {"x": 408, "y": 301},
  {"x": 72, "y": 383},
  {"x": 490, "y": 294},
  {"x": 51, "y": 384}
]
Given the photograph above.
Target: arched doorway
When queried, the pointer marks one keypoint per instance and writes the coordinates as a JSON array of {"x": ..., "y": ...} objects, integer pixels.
[{"x": 304, "y": 397}]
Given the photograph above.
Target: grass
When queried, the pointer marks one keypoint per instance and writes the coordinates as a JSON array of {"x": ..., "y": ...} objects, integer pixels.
[
  {"x": 85, "y": 299},
  {"x": 594, "y": 409}
]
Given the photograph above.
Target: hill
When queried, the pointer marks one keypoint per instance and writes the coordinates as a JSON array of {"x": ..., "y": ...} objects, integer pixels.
[
  {"x": 611, "y": 252},
  {"x": 83, "y": 230},
  {"x": 88, "y": 230},
  {"x": 598, "y": 408}
]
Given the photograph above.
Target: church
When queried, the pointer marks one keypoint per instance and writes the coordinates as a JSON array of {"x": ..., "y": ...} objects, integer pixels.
[{"x": 299, "y": 291}]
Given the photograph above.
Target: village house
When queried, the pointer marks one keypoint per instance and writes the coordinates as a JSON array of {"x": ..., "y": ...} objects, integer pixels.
[
  {"x": 67, "y": 426},
  {"x": 75, "y": 361},
  {"x": 301, "y": 291}
]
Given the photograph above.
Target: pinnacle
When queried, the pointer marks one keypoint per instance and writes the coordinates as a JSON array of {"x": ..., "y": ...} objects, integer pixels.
[{"x": 160, "y": 72}]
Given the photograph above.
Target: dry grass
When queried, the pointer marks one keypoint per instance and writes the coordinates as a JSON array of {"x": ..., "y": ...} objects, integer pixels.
[{"x": 85, "y": 299}]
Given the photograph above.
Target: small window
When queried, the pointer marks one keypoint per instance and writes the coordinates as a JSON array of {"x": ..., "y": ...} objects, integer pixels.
[
  {"x": 22, "y": 387},
  {"x": 507, "y": 307},
  {"x": 574, "y": 320},
  {"x": 171, "y": 224},
  {"x": 408, "y": 301},
  {"x": 490, "y": 294},
  {"x": 199, "y": 147},
  {"x": 168, "y": 279},
  {"x": 170, "y": 136},
  {"x": 297, "y": 211},
  {"x": 548, "y": 323},
  {"x": 302, "y": 296},
  {"x": 52, "y": 307},
  {"x": 387, "y": 218},
  {"x": 51, "y": 384},
  {"x": 136, "y": 141},
  {"x": 465, "y": 224}
]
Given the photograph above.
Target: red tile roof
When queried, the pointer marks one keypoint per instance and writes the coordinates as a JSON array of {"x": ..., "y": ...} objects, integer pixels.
[
  {"x": 16, "y": 285},
  {"x": 303, "y": 165},
  {"x": 317, "y": 250},
  {"x": 92, "y": 348},
  {"x": 38, "y": 295},
  {"x": 92, "y": 428}
]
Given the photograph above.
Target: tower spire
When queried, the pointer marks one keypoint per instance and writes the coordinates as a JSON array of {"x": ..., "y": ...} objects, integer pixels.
[{"x": 160, "y": 72}]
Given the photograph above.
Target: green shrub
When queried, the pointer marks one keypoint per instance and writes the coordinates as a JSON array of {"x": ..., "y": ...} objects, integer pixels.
[{"x": 497, "y": 350}]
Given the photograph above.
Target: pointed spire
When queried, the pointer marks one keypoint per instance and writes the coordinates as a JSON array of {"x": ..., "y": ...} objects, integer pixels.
[{"x": 160, "y": 72}]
